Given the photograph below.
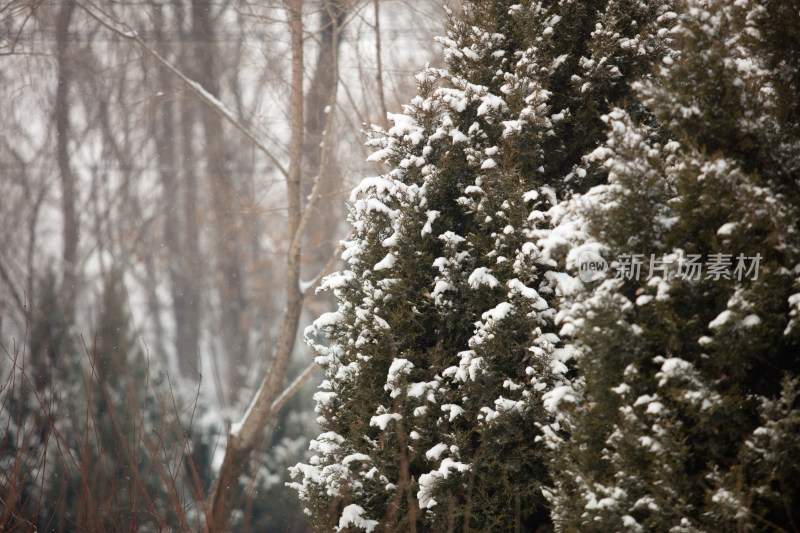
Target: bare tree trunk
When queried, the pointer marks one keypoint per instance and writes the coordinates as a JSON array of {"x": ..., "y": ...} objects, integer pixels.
[
  {"x": 322, "y": 91},
  {"x": 384, "y": 121},
  {"x": 166, "y": 150},
  {"x": 187, "y": 305},
  {"x": 242, "y": 439},
  {"x": 451, "y": 512},
  {"x": 470, "y": 489},
  {"x": 246, "y": 435},
  {"x": 180, "y": 225},
  {"x": 404, "y": 483},
  {"x": 320, "y": 159},
  {"x": 235, "y": 331},
  {"x": 68, "y": 191}
]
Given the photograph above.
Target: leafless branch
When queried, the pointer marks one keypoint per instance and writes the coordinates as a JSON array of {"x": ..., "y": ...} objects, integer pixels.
[{"x": 129, "y": 34}]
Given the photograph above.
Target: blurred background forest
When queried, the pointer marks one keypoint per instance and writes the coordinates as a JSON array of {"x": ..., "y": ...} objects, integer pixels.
[{"x": 165, "y": 214}]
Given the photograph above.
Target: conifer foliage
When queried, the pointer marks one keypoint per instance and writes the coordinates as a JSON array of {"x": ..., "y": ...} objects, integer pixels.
[
  {"x": 442, "y": 363},
  {"x": 685, "y": 414},
  {"x": 477, "y": 379},
  {"x": 433, "y": 395}
]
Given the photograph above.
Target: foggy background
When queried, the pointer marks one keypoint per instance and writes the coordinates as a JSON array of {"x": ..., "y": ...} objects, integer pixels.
[{"x": 143, "y": 217}]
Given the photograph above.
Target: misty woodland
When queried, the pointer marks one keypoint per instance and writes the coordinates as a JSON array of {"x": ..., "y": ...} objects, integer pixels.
[{"x": 546, "y": 272}]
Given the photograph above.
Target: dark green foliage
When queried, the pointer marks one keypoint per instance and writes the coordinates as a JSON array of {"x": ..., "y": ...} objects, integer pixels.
[
  {"x": 465, "y": 359},
  {"x": 679, "y": 377},
  {"x": 443, "y": 350}
]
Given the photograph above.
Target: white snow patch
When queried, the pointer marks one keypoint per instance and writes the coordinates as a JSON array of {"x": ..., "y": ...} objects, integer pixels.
[
  {"x": 482, "y": 276},
  {"x": 721, "y": 319},
  {"x": 328, "y": 319},
  {"x": 381, "y": 421},
  {"x": 428, "y": 482},
  {"x": 551, "y": 399},
  {"x": 726, "y": 229},
  {"x": 455, "y": 410},
  {"x": 751, "y": 321},
  {"x": 353, "y": 515},
  {"x": 354, "y": 457},
  {"x": 386, "y": 262},
  {"x": 498, "y": 312},
  {"x": 398, "y": 368},
  {"x": 434, "y": 453},
  {"x": 622, "y": 388},
  {"x": 428, "y": 227},
  {"x": 565, "y": 283},
  {"x": 458, "y": 137}
]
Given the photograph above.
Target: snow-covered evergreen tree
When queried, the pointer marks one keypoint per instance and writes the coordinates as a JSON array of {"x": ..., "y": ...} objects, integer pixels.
[
  {"x": 443, "y": 355},
  {"x": 427, "y": 423},
  {"x": 677, "y": 421}
]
